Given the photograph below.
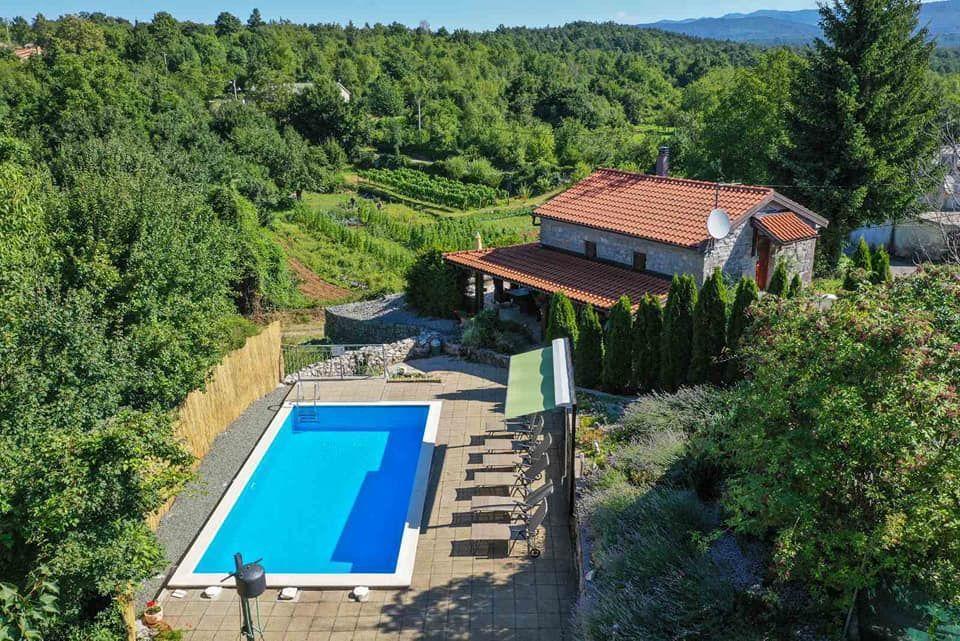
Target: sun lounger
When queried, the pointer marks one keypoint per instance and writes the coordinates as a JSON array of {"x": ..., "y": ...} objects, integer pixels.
[
  {"x": 529, "y": 428},
  {"x": 510, "y": 532},
  {"x": 520, "y": 480},
  {"x": 515, "y": 459},
  {"x": 511, "y": 504}
]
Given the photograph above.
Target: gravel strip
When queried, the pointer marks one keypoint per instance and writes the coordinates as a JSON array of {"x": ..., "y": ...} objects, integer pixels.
[
  {"x": 392, "y": 310},
  {"x": 188, "y": 513}
]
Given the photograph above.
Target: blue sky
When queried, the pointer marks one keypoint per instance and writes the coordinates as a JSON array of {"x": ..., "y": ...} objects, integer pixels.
[{"x": 476, "y": 14}]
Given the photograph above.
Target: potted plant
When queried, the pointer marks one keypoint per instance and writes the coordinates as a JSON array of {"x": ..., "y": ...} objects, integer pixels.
[{"x": 153, "y": 614}]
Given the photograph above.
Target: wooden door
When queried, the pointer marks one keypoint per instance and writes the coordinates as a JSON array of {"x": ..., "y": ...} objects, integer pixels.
[{"x": 763, "y": 261}]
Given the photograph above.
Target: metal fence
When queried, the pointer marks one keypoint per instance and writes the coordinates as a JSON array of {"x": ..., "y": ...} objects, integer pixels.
[{"x": 318, "y": 362}]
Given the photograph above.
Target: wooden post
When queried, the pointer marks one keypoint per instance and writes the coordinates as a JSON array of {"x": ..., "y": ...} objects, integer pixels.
[
  {"x": 478, "y": 291},
  {"x": 498, "y": 290}
]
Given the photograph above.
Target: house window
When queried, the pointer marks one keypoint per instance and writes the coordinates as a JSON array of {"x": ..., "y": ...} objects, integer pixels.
[
  {"x": 639, "y": 261},
  {"x": 589, "y": 249}
]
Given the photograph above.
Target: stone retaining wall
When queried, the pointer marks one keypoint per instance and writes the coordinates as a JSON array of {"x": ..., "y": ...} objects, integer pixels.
[
  {"x": 370, "y": 360},
  {"x": 343, "y": 329}
]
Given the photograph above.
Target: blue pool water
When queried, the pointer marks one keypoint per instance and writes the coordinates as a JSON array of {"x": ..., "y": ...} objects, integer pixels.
[{"x": 330, "y": 495}]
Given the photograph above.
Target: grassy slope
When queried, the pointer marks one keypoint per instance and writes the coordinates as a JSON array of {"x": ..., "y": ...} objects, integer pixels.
[{"x": 362, "y": 273}]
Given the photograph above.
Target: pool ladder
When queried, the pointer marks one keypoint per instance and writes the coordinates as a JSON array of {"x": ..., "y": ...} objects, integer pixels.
[{"x": 307, "y": 408}]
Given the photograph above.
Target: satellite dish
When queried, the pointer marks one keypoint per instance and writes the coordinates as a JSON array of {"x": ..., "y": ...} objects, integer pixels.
[{"x": 718, "y": 224}]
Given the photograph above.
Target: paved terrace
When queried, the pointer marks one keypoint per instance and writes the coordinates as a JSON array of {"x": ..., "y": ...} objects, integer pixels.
[{"x": 454, "y": 594}]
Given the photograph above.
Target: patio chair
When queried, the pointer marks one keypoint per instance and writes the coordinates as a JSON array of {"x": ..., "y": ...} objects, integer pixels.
[
  {"x": 519, "y": 480},
  {"x": 510, "y": 504},
  {"x": 510, "y": 532},
  {"x": 529, "y": 427},
  {"x": 515, "y": 459}
]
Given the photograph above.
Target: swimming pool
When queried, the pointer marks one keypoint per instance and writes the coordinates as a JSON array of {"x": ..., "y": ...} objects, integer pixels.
[{"x": 331, "y": 496}]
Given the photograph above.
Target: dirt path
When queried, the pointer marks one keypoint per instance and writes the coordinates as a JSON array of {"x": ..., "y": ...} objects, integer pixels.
[{"x": 314, "y": 287}]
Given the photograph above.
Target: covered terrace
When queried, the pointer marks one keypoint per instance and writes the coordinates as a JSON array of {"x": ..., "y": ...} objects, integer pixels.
[{"x": 545, "y": 271}]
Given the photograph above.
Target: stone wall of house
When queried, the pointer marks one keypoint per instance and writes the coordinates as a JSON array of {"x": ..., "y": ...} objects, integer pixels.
[
  {"x": 368, "y": 361},
  {"x": 733, "y": 254},
  {"x": 799, "y": 257},
  {"x": 619, "y": 248}
]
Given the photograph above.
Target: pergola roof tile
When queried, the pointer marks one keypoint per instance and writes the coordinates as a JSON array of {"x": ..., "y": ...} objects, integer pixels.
[{"x": 549, "y": 270}]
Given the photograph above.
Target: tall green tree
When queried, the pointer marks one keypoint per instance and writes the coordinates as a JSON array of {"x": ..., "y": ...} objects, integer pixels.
[
  {"x": 619, "y": 347},
  {"x": 709, "y": 331},
  {"x": 588, "y": 359},
  {"x": 676, "y": 340},
  {"x": 795, "y": 286},
  {"x": 435, "y": 288},
  {"x": 880, "y": 265},
  {"x": 862, "y": 257},
  {"x": 647, "y": 327},
  {"x": 746, "y": 293},
  {"x": 779, "y": 280},
  {"x": 863, "y": 118},
  {"x": 561, "y": 319}
]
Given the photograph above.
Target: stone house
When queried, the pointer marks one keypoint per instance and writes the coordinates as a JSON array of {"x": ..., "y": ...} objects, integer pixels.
[{"x": 619, "y": 232}]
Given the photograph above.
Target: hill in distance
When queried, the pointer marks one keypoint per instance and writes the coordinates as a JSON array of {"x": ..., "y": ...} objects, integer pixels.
[{"x": 771, "y": 27}]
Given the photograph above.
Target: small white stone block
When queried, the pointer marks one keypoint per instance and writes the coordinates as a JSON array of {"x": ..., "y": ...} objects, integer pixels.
[
  {"x": 288, "y": 594},
  {"x": 212, "y": 592},
  {"x": 361, "y": 593},
  {"x": 178, "y": 594}
]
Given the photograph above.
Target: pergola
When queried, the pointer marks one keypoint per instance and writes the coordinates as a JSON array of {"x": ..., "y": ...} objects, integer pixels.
[{"x": 551, "y": 271}]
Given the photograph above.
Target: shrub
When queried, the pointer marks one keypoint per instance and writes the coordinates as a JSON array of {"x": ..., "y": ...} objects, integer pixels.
[
  {"x": 561, "y": 319},
  {"x": 646, "y": 343},
  {"x": 434, "y": 288},
  {"x": 488, "y": 331},
  {"x": 880, "y": 266},
  {"x": 589, "y": 349},
  {"x": 796, "y": 287},
  {"x": 709, "y": 331},
  {"x": 861, "y": 256},
  {"x": 846, "y": 438},
  {"x": 779, "y": 281},
  {"x": 746, "y": 293},
  {"x": 855, "y": 278},
  {"x": 691, "y": 410},
  {"x": 619, "y": 349},
  {"x": 677, "y": 335}
]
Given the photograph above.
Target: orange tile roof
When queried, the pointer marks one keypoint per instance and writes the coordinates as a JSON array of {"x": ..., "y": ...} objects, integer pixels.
[
  {"x": 548, "y": 270},
  {"x": 663, "y": 209},
  {"x": 785, "y": 226}
]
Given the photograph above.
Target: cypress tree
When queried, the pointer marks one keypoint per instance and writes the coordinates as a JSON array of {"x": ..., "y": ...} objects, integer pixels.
[
  {"x": 880, "y": 265},
  {"x": 588, "y": 357},
  {"x": 561, "y": 319},
  {"x": 676, "y": 337},
  {"x": 618, "y": 350},
  {"x": 709, "y": 331},
  {"x": 646, "y": 343},
  {"x": 746, "y": 293},
  {"x": 861, "y": 119},
  {"x": 796, "y": 286},
  {"x": 779, "y": 281},
  {"x": 861, "y": 256}
]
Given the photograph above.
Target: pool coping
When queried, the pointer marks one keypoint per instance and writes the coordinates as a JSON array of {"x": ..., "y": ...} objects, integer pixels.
[{"x": 402, "y": 577}]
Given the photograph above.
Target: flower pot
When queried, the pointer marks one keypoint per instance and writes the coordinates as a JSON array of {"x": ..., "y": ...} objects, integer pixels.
[{"x": 152, "y": 619}]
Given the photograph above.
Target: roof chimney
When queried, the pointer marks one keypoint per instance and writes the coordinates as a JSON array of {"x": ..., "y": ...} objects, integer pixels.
[{"x": 663, "y": 161}]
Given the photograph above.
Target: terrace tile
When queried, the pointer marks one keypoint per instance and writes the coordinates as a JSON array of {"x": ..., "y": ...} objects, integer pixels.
[{"x": 454, "y": 595}]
